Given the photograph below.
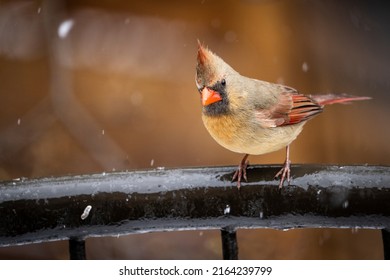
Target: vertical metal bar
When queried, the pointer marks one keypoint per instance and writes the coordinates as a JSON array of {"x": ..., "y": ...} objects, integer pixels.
[
  {"x": 386, "y": 243},
  {"x": 229, "y": 244},
  {"x": 77, "y": 248}
]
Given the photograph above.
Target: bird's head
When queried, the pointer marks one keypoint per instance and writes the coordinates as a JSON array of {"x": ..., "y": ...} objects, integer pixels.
[{"x": 212, "y": 80}]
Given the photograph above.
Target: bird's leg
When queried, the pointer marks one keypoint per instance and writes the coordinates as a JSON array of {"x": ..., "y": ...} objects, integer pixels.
[
  {"x": 241, "y": 171},
  {"x": 285, "y": 171}
]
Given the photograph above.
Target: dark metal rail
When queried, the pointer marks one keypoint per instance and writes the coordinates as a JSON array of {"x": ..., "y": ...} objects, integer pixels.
[{"x": 38, "y": 210}]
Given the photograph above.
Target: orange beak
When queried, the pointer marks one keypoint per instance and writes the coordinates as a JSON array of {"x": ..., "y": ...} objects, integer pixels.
[{"x": 209, "y": 96}]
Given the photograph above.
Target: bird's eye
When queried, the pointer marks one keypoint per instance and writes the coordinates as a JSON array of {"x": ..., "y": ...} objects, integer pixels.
[{"x": 223, "y": 82}]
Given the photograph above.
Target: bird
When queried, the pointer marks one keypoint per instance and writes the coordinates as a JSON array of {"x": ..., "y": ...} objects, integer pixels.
[{"x": 254, "y": 117}]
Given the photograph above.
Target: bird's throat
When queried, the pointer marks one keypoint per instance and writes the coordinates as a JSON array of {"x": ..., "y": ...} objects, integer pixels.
[{"x": 216, "y": 109}]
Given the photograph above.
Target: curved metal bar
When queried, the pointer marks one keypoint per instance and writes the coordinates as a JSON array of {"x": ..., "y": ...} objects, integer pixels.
[{"x": 111, "y": 204}]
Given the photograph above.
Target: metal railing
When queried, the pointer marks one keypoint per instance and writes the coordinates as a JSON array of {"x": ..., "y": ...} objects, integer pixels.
[{"x": 112, "y": 204}]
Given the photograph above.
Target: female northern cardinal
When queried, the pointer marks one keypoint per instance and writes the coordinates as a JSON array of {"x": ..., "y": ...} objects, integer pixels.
[{"x": 250, "y": 116}]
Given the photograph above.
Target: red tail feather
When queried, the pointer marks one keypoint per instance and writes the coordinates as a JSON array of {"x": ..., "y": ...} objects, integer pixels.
[{"x": 327, "y": 99}]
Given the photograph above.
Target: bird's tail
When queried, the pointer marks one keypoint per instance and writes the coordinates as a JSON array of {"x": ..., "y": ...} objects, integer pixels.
[{"x": 327, "y": 99}]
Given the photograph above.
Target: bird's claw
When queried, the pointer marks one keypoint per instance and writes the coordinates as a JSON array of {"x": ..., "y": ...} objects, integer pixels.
[
  {"x": 240, "y": 173},
  {"x": 285, "y": 171}
]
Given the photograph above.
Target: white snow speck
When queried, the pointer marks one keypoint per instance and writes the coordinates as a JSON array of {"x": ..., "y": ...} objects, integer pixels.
[
  {"x": 305, "y": 67},
  {"x": 65, "y": 27},
  {"x": 152, "y": 162},
  {"x": 86, "y": 212},
  {"x": 19, "y": 121},
  {"x": 136, "y": 98},
  {"x": 230, "y": 36},
  {"x": 280, "y": 80},
  {"x": 226, "y": 211}
]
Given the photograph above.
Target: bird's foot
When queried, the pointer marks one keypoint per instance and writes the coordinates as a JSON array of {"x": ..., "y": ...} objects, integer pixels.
[
  {"x": 241, "y": 172},
  {"x": 284, "y": 172}
]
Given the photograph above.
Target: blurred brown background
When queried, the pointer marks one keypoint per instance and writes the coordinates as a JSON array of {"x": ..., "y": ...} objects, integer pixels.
[{"x": 93, "y": 86}]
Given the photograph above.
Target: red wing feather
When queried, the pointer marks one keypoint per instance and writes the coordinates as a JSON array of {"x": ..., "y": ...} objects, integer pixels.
[
  {"x": 303, "y": 109},
  {"x": 292, "y": 108}
]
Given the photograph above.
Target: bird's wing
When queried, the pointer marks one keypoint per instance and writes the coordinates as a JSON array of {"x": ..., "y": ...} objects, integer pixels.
[
  {"x": 303, "y": 109},
  {"x": 291, "y": 108}
]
